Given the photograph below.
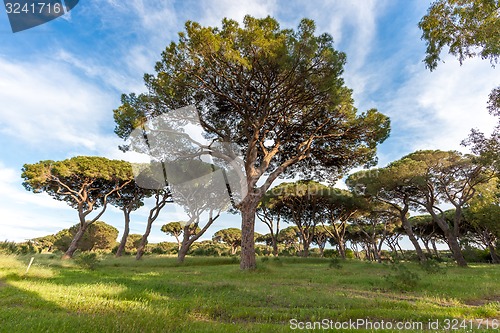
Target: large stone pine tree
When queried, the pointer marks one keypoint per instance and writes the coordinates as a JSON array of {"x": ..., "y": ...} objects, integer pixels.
[{"x": 277, "y": 94}]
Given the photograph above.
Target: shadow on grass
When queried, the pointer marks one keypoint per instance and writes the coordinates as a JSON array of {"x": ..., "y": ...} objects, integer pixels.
[
  {"x": 157, "y": 294},
  {"x": 26, "y": 311}
]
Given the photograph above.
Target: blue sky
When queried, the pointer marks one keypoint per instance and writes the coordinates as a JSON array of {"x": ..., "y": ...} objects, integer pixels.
[{"x": 59, "y": 83}]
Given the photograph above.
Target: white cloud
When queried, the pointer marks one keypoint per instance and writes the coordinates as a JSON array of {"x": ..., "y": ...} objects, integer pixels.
[
  {"x": 353, "y": 26},
  {"x": 26, "y": 215},
  {"x": 437, "y": 110},
  {"x": 44, "y": 103},
  {"x": 106, "y": 74},
  {"x": 212, "y": 12}
]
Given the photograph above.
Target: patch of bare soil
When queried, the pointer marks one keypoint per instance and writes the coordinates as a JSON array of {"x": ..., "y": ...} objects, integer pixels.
[{"x": 486, "y": 300}]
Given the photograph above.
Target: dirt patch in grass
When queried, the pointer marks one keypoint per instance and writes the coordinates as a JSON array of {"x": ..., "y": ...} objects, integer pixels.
[
  {"x": 483, "y": 301},
  {"x": 2, "y": 284}
]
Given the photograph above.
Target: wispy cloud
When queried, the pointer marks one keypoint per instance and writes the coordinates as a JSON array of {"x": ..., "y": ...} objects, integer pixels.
[
  {"x": 437, "y": 110},
  {"x": 44, "y": 103},
  {"x": 212, "y": 12},
  {"x": 19, "y": 223}
]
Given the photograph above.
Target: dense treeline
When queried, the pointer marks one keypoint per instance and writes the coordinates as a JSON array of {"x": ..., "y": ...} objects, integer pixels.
[{"x": 458, "y": 196}]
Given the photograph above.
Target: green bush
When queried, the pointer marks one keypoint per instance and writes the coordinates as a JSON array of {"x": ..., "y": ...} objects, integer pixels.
[
  {"x": 27, "y": 248},
  {"x": 7, "y": 247},
  {"x": 431, "y": 266},
  {"x": 349, "y": 254},
  {"x": 402, "y": 278},
  {"x": 209, "y": 248},
  {"x": 163, "y": 248},
  {"x": 472, "y": 254},
  {"x": 335, "y": 263},
  {"x": 262, "y": 250},
  {"x": 330, "y": 253},
  {"x": 87, "y": 260}
]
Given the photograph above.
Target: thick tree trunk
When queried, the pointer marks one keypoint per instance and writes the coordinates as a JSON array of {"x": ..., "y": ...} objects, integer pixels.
[
  {"x": 368, "y": 254},
  {"x": 144, "y": 241},
  {"x": 409, "y": 232},
  {"x": 455, "y": 249},
  {"x": 186, "y": 244},
  {"x": 495, "y": 259},
  {"x": 126, "y": 230},
  {"x": 187, "y": 241},
  {"x": 341, "y": 246},
  {"x": 248, "y": 208},
  {"x": 305, "y": 251},
  {"x": 275, "y": 246},
  {"x": 451, "y": 238},
  {"x": 451, "y": 234},
  {"x": 76, "y": 240}
]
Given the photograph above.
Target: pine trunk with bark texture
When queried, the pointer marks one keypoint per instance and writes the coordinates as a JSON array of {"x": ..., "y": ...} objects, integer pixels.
[
  {"x": 126, "y": 231},
  {"x": 248, "y": 209},
  {"x": 76, "y": 240}
]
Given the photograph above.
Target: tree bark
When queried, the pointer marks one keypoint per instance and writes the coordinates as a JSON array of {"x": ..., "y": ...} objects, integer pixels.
[
  {"x": 305, "y": 251},
  {"x": 76, "y": 240},
  {"x": 186, "y": 244},
  {"x": 275, "y": 246},
  {"x": 409, "y": 232},
  {"x": 161, "y": 199},
  {"x": 190, "y": 236},
  {"x": 451, "y": 238},
  {"x": 84, "y": 225},
  {"x": 434, "y": 247},
  {"x": 495, "y": 259},
  {"x": 248, "y": 208},
  {"x": 367, "y": 252},
  {"x": 144, "y": 241},
  {"x": 126, "y": 230},
  {"x": 341, "y": 246},
  {"x": 455, "y": 249}
]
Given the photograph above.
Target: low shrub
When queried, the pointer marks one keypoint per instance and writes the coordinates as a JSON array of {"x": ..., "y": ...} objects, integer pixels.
[
  {"x": 472, "y": 254},
  {"x": 431, "y": 266},
  {"x": 330, "y": 253},
  {"x": 402, "y": 278},
  {"x": 335, "y": 263},
  {"x": 349, "y": 254},
  {"x": 87, "y": 260},
  {"x": 7, "y": 247}
]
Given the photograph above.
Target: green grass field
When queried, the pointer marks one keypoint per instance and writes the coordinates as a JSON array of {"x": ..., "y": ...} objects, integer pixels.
[{"x": 213, "y": 295}]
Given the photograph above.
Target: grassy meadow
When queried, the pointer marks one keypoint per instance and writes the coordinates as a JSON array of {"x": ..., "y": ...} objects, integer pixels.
[{"x": 212, "y": 295}]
